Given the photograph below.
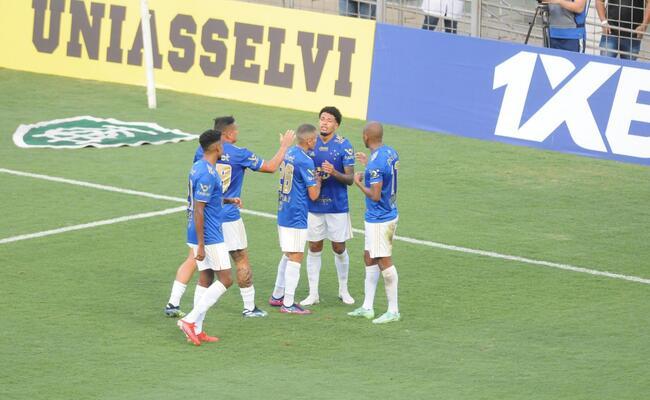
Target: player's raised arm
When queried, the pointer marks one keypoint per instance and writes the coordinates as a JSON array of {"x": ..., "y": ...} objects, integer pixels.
[{"x": 286, "y": 141}]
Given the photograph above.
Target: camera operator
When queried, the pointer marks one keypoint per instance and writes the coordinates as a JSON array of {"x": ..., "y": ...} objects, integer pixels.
[{"x": 567, "y": 23}]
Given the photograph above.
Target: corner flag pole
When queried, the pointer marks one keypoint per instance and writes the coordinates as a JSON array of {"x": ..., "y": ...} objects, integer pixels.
[{"x": 148, "y": 53}]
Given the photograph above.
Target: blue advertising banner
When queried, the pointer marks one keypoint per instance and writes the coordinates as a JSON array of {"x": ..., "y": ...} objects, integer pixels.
[{"x": 512, "y": 93}]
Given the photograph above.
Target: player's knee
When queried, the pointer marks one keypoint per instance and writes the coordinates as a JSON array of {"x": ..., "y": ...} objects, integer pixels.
[
  {"x": 338, "y": 248},
  {"x": 316, "y": 247},
  {"x": 225, "y": 280},
  {"x": 205, "y": 278}
]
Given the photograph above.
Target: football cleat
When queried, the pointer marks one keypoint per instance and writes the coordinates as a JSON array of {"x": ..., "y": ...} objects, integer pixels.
[
  {"x": 254, "y": 313},
  {"x": 294, "y": 309},
  {"x": 362, "y": 312},
  {"x": 205, "y": 338},
  {"x": 310, "y": 300},
  {"x": 173, "y": 311},
  {"x": 275, "y": 302},
  {"x": 387, "y": 317},
  {"x": 188, "y": 330},
  {"x": 346, "y": 298}
]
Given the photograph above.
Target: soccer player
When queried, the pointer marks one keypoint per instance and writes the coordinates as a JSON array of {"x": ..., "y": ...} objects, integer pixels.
[
  {"x": 231, "y": 166},
  {"x": 205, "y": 236},
  {"x": 329, "y": 215},
  {"x": 298, "y": 181},
  {"x": 380, "y": 189}
]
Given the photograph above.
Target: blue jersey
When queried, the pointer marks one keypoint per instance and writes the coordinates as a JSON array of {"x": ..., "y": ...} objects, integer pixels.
[
  {"x": 297, "y": 173},
  {"x": 231, "y": 167},
  {"x": 205, "y": 186},
  {"x": 382, "y": 168},
  {"x": 333, "y": 194}
]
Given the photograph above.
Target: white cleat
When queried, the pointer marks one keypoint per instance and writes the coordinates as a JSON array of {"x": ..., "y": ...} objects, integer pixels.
[
  {"x": 310, "y": 300},
  {"x": 346, "y": 298}
]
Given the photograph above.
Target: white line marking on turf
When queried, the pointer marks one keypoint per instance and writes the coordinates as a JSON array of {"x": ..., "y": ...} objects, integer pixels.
[
  {"x": 92, "y": 224},
  {"x": 437, "y": 245},
  {"x": 91, "y": 185},
  {"x": 492, "y": 254}
]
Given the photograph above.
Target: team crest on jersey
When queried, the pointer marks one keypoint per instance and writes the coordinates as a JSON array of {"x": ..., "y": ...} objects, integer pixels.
[{"x": 86, "y": 131}]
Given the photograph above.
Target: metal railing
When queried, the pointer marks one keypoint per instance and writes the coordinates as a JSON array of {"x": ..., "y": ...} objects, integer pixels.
[{"x": 507, "y": 20}]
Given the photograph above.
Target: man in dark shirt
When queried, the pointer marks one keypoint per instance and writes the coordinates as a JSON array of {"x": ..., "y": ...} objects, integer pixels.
[{"x": 624, "y": 23}]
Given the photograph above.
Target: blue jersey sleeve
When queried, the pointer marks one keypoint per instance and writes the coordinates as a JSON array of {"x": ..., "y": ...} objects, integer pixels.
[
  {"x": 251, "y": 160},
  {"x": 374, "y": 173},
  {"x": 348, "y": 154},
  {"x": 308, "y": 173},
  {"x": 205, "y": 185}
]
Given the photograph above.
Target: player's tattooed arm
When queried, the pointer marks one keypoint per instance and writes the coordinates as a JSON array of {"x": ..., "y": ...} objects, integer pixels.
[{"x": 233, "y": 200}]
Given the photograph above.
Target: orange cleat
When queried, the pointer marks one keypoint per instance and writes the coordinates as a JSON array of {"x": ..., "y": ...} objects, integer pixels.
[
  {"x": 203, "y": 337},
  {"x": 188, "y": 330}
]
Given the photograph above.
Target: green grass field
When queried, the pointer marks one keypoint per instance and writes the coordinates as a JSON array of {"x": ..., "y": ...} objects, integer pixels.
[{"x": 82, "y": 311}]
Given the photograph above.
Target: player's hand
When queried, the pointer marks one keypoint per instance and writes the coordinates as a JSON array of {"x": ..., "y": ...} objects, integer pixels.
[
  {"x": 287, "y": 139},
  {"x": 358, "y": 178},
  {"x": 362, "y": 157},
  {"x": 200, "y": 253},
  {"x": 236, "y": 201},
  {"x": 327, "y": 167}
]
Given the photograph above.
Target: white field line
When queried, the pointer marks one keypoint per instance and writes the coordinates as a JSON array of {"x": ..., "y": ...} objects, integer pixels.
[
  {"x": 92, "y": 224},
  {"x": 566, "y": 267}
]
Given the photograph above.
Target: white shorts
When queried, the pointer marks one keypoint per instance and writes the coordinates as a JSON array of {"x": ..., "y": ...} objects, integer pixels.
[
  {"x": 334, "y": 227},
  {"x": 379, "y": 238},
  {"x": 292, "y": 240},
  {"x": 234, "y": 235},
  {"x": 216, "y": 257}
]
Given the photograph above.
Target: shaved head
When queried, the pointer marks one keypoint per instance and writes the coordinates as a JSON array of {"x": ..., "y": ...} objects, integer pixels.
[
  {"x": 374, "y": 130},
  {"x": 373, "y": 133}
]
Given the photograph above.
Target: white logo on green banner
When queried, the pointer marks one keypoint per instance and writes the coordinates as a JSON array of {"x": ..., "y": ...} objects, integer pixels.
[{"x": 77, "y": 132}]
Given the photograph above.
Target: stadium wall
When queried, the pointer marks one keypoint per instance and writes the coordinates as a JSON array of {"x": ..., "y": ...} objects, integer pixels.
[
  {"x": 506, "y": 92},
  {"x": 234, "y": 50},
  {"x": 484, "y": 89}
]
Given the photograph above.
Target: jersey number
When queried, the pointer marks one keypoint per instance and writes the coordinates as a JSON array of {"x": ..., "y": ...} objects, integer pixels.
[
  {"x": 225, "y": 172},
  {"x": 286, "y": 178}
]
